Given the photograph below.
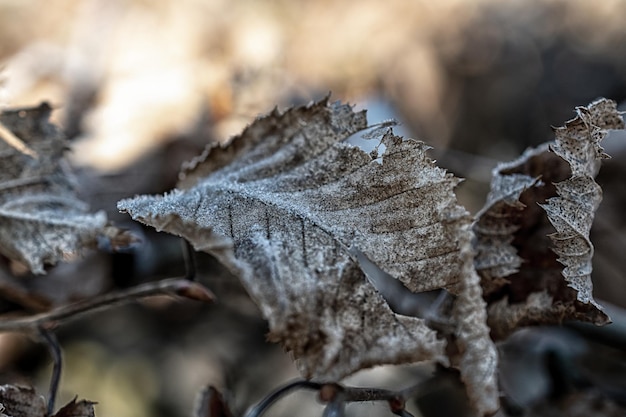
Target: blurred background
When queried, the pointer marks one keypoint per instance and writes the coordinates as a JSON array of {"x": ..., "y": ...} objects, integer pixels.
[{"x": 141, "y": 86}]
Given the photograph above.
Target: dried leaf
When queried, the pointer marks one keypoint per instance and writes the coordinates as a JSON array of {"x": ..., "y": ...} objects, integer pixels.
[
  {"x": 211, "y": 403},
  {"x": 25, "y": 402},
  {"x": 41, "y": 220},
  {"x": 283, "y": 204},
  {"x": 21, "y": 402},
  {"x": 496, "y": 225},
  {"x": 572, "y": 211},
  {"x": 522, "y": 277},
  {"x": 478, "y": 358},
  {"x": 82, "y": 408}
]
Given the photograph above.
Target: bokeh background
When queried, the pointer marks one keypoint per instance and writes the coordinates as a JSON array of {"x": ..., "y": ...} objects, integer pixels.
[{"x": 140, "y": 86}]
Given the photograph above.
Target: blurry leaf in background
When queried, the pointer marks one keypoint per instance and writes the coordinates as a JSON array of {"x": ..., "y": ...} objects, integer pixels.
[
  {"x": 75, "y": 408},
  {"x": 42, "y": 220},
  {"x": 211, "y": 403},
  {"x": 21, "y": 402},
  {"x": 522, "y": 277},
  {"x": 25, "y": 402}
]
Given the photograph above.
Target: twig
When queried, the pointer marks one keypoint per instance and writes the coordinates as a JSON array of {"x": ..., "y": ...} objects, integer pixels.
[
  {"x": 354, "y": 394},
  {"x": 266, "y": 402},
  {"x": 190, "y": 260},
  {"x": 57, "y": 360},
  {"x": 178, "y": 286},
  {"x": 336, "y": 395}
]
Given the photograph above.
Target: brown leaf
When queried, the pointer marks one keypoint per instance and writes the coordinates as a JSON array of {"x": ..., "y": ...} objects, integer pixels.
[
  {"x": 21, "y": 402},
  {"x": 211, "y": 403},
  {"x": 548, "y": 188},
  {"x": 41, "y": 220},
  {"x": 477, "y": 359},
  {"x": 82, "y": 408},
  {"x": 283, "y": 204}
]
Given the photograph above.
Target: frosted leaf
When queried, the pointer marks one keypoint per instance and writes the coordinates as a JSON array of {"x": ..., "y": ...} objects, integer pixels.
[
  {"x": 571, "y": 212},
  {"x": 497, "y": 223},
  {"x": 520, "y": 258},
  {"x": 283, "y": 204},
  {"x": 42, "y": 222},
  {"x": 478, "y": 358}
]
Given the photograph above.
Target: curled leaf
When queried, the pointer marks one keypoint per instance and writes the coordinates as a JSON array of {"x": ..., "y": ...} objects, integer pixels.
[
  {"x": 531, "y": 274},
  {"x": 571, "y": 212}
]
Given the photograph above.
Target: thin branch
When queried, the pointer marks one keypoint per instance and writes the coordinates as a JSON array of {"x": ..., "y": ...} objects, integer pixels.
[
  {"x": 354, "y": 394},
  {"x": 266, "y": 402},
  {"x": 190, "y": 260},
  {"x": 57, "y": 360},
  {"x": 178, "y": 286},
  {"x": 336, "y": 395}
]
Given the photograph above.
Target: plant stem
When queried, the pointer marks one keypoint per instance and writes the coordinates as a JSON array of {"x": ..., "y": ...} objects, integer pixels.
[
  {"x": 60, "y": 315},
  {"x": 57, "y": 359}
]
